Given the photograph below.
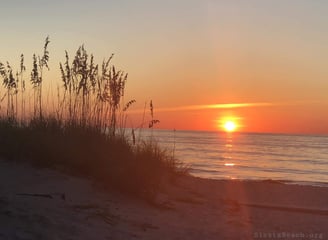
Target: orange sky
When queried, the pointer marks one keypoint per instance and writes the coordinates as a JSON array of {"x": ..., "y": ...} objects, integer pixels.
[
  {"x": 257, "y": 118},
  {"x": 193, "y": 53}
]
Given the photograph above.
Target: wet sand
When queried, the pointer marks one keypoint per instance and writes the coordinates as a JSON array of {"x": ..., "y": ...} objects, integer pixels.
[{"x": 45, "y": 204}]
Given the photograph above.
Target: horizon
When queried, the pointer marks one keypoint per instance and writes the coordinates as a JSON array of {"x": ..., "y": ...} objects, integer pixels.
[
  {"x": 259, "y": 64},
  {"x": 158, "y": 128}
]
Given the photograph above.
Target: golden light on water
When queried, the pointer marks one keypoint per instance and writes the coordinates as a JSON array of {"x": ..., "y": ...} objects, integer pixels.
[{"x": 229, "y": 164}]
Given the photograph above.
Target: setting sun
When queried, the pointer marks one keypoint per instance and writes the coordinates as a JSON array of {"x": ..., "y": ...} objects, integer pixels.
[{"x": 229, "y": 126}]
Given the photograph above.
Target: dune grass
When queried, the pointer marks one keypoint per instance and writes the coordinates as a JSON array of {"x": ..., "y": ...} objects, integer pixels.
[{"x": 85, "y": 134}]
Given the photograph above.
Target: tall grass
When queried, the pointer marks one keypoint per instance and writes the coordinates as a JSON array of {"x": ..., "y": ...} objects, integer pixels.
[
  {"x": 39, "y": 63},
  {"x": 85, "y": 134}
]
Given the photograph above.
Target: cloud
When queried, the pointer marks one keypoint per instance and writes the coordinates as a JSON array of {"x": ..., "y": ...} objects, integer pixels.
[
  {"x": 211, "y": 106},
  {"x": 229, "y": 106}
]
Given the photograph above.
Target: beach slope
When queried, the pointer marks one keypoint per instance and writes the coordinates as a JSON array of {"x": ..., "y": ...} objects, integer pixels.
[{"x": 46, "y": 204}]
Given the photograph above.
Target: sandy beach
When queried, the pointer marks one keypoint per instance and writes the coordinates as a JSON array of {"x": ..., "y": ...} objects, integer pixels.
[{"x": 46, "y": 204}]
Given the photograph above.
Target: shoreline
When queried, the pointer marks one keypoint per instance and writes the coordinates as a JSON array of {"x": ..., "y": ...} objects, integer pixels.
[
  {"x": 46, "y": 204},
  {"x": 281, "y": 181},
  {"x": 299, "y": 159}
]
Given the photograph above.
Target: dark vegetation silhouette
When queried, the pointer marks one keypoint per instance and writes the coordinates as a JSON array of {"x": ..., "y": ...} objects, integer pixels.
[{"x": 85, "y": 134}]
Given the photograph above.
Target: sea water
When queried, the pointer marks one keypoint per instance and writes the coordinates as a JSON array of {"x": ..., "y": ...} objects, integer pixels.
[{"x": 249, "y": 156}]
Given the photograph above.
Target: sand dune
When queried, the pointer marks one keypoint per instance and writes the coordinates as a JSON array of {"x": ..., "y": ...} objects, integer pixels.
[{"x": 45, "y": 204}]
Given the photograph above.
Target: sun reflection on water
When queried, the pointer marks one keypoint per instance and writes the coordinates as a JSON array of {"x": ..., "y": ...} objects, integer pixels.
[
  {"x": 229, "y": 164},
  {"x": 228, "y": 151}
]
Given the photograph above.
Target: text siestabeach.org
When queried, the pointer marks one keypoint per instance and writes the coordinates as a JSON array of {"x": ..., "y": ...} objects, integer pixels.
[{"x": 287, "y": 235}]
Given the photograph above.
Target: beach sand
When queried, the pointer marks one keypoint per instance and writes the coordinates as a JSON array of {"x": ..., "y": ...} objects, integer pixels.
[{"x": 46, "y": 204}]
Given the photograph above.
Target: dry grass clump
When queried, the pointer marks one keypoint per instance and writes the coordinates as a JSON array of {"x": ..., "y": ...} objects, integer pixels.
[
  {"x": 82, "y": 135},
  {"x": 139, "y": 169}
]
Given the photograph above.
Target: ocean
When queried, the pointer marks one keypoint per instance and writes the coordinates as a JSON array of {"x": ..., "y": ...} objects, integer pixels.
[{"x": 301, "y": 159}]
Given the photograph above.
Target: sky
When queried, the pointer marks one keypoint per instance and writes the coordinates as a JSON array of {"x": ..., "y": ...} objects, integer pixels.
[{"x": 259, "y": 63}]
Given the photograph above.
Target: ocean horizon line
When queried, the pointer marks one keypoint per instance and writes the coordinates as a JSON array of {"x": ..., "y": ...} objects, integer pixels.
[{"x": 238, "y": 132}]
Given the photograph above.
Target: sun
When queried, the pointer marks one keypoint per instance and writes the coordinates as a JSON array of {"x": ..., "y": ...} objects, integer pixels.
[
  {"x": 229, "y": 126},
  {"x": 228, "y": 123}
]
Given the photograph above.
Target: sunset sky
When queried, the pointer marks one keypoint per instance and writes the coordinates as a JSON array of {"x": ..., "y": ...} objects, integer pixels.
[{"x": 260, "y": 63}]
